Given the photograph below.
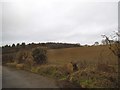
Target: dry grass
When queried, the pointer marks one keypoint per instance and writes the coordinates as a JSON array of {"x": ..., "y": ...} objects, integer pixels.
[
  {"x": 53, "y": 71},
  {"x": 20, "y": 66},
  {"x": 11, "y": 64},
  {"x": 91, "y": 78},
  {"x": 98, "y": 66},
  {"x": 88, "y": 54}
]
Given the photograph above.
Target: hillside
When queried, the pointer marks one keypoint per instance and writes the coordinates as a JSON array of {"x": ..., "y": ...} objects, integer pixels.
[
  {"x": 93, "y": 53},
  {"x": 96, "y": 66},
  {"x": 66, "y": 55}
]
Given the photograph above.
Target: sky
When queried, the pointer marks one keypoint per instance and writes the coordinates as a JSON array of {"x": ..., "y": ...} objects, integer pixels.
[{"x": 69, "y": 21}]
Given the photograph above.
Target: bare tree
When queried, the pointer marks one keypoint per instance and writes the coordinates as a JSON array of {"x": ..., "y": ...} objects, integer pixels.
[
  {"x": 115, "y": 48},
  {"x": 114, "y": 43}
]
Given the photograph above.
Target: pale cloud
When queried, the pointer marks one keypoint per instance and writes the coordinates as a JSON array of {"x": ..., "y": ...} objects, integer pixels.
[
  {"x": 0, "y": 24},
  {"x": 60, "y": 21}
]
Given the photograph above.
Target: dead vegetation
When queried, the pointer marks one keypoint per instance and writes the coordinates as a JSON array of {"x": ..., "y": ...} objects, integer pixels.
[{"x": 94, "y": 69}]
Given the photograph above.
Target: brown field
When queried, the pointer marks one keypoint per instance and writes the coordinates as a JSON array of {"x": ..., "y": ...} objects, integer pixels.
[
  {"x": 97, "y": 66},
  {"x": 93, "y": 53}
]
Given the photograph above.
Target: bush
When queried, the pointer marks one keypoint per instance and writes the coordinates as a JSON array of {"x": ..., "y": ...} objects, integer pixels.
[
  {"x": 68, "y": 68},
  {"x": 53, "y": 71},
  {"x": 8, "y": 58},
  {"x": 106, "y": 68},
  {"x": 92, "y": 78},
  {"x": 25, "y": 57},
  {"x": 39, "y": 55},
  {"x": 21, "y": 56},
  {"x": 28, "y": 63}
]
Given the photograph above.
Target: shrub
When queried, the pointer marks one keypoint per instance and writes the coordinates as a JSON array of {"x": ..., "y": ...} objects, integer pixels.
[
  {"x": 83, "y": 64},
  {"x": 53, "y": 71},
  {"x": 28, "y": 63},
  {"x": 8, "y": 58},
  {"x": 104, "y": 67},
  {"x": 24, "y": 57},
  {"x": 68, "y": 68},
  {"x": 92, "y": 78},
  {"x": 21, "y": 56},
  {"x": 39, "y": 55}
]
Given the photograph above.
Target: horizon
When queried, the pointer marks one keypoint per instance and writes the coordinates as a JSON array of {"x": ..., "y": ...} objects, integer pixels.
[{"x": 47, "y": 42}]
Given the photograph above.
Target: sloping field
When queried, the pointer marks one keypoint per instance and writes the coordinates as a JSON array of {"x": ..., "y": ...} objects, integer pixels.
[{"x": 93, "y": 53}]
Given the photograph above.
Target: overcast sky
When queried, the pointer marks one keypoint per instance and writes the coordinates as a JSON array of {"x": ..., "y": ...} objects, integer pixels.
[{"x": 57, "y": 21}]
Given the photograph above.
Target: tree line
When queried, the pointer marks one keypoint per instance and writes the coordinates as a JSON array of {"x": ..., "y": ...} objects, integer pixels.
[{"x": 48, "y": 45}]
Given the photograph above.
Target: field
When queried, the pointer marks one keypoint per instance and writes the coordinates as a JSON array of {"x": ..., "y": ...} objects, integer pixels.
[
  {"x": 97, "y": 66},
  {"x": 89, "y": 54},
  {"x": 97, "y": 59}
]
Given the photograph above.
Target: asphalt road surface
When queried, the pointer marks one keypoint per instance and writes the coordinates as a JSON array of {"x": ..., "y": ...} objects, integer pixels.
[
  {"x": 12, "y": 78},
  {"x": 0, "y": 77},
  {"x": 0, "y": 70}
]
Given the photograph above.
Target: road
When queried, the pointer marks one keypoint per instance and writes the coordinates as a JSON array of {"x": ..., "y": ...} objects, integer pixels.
[
  {"x": 0, "y": 69},
  {"x": 13, "y": 78},
  {"x": 0, "y": 76}
]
